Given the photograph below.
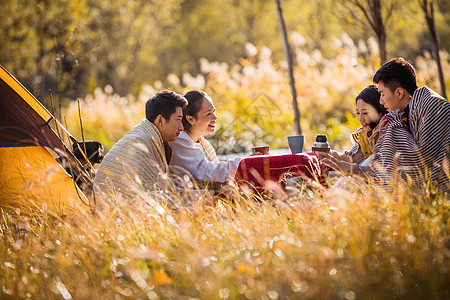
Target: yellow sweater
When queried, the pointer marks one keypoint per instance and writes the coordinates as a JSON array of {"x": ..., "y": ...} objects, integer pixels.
[{"x": 364, "y": 143}]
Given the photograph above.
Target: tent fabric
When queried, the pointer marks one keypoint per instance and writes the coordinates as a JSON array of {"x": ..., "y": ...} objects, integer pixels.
[
  {"x": 25, "y": 131},
  {"x": 25, "y": 95},
  {"x": 25, "y": 121},
  {"x": 20, "y": 122},
  {"x": 32, "y": 180}
]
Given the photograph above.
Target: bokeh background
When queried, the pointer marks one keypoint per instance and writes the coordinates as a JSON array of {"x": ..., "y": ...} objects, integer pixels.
[{"x": 111, "y": 56}]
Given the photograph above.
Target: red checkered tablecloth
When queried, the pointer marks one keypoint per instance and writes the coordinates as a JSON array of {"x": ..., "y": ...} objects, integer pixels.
[{"x": 255, "y": 170}]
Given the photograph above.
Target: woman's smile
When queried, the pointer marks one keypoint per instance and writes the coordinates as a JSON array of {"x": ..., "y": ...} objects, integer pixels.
[{"x": 366, "y": 114}]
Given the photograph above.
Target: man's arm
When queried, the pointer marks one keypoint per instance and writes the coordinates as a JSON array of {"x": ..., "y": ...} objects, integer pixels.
[
  {"x": 396, "y": 152},
  {"x": 430, "y": 124}
]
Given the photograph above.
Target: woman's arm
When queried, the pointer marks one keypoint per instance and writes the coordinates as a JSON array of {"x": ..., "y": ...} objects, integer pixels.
[
  {"x": 339, "y": 155},
  {"x": 347, "y": 168},
  {"x": 187, "y": 156},
  {"x": 353, "y": 155}
]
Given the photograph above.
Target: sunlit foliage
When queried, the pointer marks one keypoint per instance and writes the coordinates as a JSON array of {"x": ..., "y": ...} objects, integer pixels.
[
  {"x": 252, "y": 97},
  {"x": 72, "y": 47}
]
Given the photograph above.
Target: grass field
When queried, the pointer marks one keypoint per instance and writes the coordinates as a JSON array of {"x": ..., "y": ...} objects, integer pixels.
[{"x": 358, "y": 243}]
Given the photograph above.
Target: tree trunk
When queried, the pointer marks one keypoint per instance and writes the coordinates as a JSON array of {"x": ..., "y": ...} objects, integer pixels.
[
  {"x": 382, "y": 48},
  {"x": 429, "y": 17},
  {"x": 288, "y": 55},
  {"x": 378, "y": 24}
]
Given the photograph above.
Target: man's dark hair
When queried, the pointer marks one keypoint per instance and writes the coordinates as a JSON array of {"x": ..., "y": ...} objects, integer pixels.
[
  {"x": 195, "y": 100},
  {"x": 397, "y": 73},
  {"x": 163, "y": 103}
]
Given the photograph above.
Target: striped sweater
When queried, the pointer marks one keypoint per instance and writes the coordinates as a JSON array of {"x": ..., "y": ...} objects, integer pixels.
[
  {"x": 418, "y": 155},
  {"x": 136, "y": 162}
]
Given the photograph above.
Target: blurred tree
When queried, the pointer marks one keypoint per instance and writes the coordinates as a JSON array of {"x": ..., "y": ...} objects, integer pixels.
[
  {"x": 316, "y": 22},
  {"x": 72, "y": 47},
  {"x": 288, "y": 54},
  {"x": 375, "y": 14},
  {"x": 43, "y": 45},
  {"x": 427, "y": 7},
  {"x": 443, "y": 23},
  {"x": 127, "y": 39},
  {"x": 216, "y": 30}
]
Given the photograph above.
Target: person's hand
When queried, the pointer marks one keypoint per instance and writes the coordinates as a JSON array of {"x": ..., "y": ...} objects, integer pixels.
[
  {"x": 338, "y": 155},
  {"x": 331, "y": 162}
]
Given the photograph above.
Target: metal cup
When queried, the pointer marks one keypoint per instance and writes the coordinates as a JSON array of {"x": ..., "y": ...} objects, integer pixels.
[
  {"x": 262, "y": 149},
  {"x": 296, "y": 143}
]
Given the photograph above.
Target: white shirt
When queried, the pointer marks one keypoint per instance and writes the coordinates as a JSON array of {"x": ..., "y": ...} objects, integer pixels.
[{"x": 188, "y": 157}]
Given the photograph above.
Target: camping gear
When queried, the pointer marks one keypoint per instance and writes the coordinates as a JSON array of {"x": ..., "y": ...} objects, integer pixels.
[
  {"x": 92, "y": 150},
  {"x": 321, "y": 144},
  {"x": 34, "y": 158}
]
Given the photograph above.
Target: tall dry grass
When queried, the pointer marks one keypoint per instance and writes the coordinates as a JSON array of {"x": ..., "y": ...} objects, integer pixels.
[{"x": 356, "y": 243}]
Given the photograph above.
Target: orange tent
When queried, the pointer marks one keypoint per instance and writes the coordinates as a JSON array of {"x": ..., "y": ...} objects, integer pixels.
[{"x": 37, "y": 170}]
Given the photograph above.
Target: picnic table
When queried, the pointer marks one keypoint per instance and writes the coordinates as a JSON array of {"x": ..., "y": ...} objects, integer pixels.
[{"x": 255, "y": 171}]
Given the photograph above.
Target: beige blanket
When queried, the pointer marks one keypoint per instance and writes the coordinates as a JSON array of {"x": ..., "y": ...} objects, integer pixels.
[{"x": 135, "y": 163}]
